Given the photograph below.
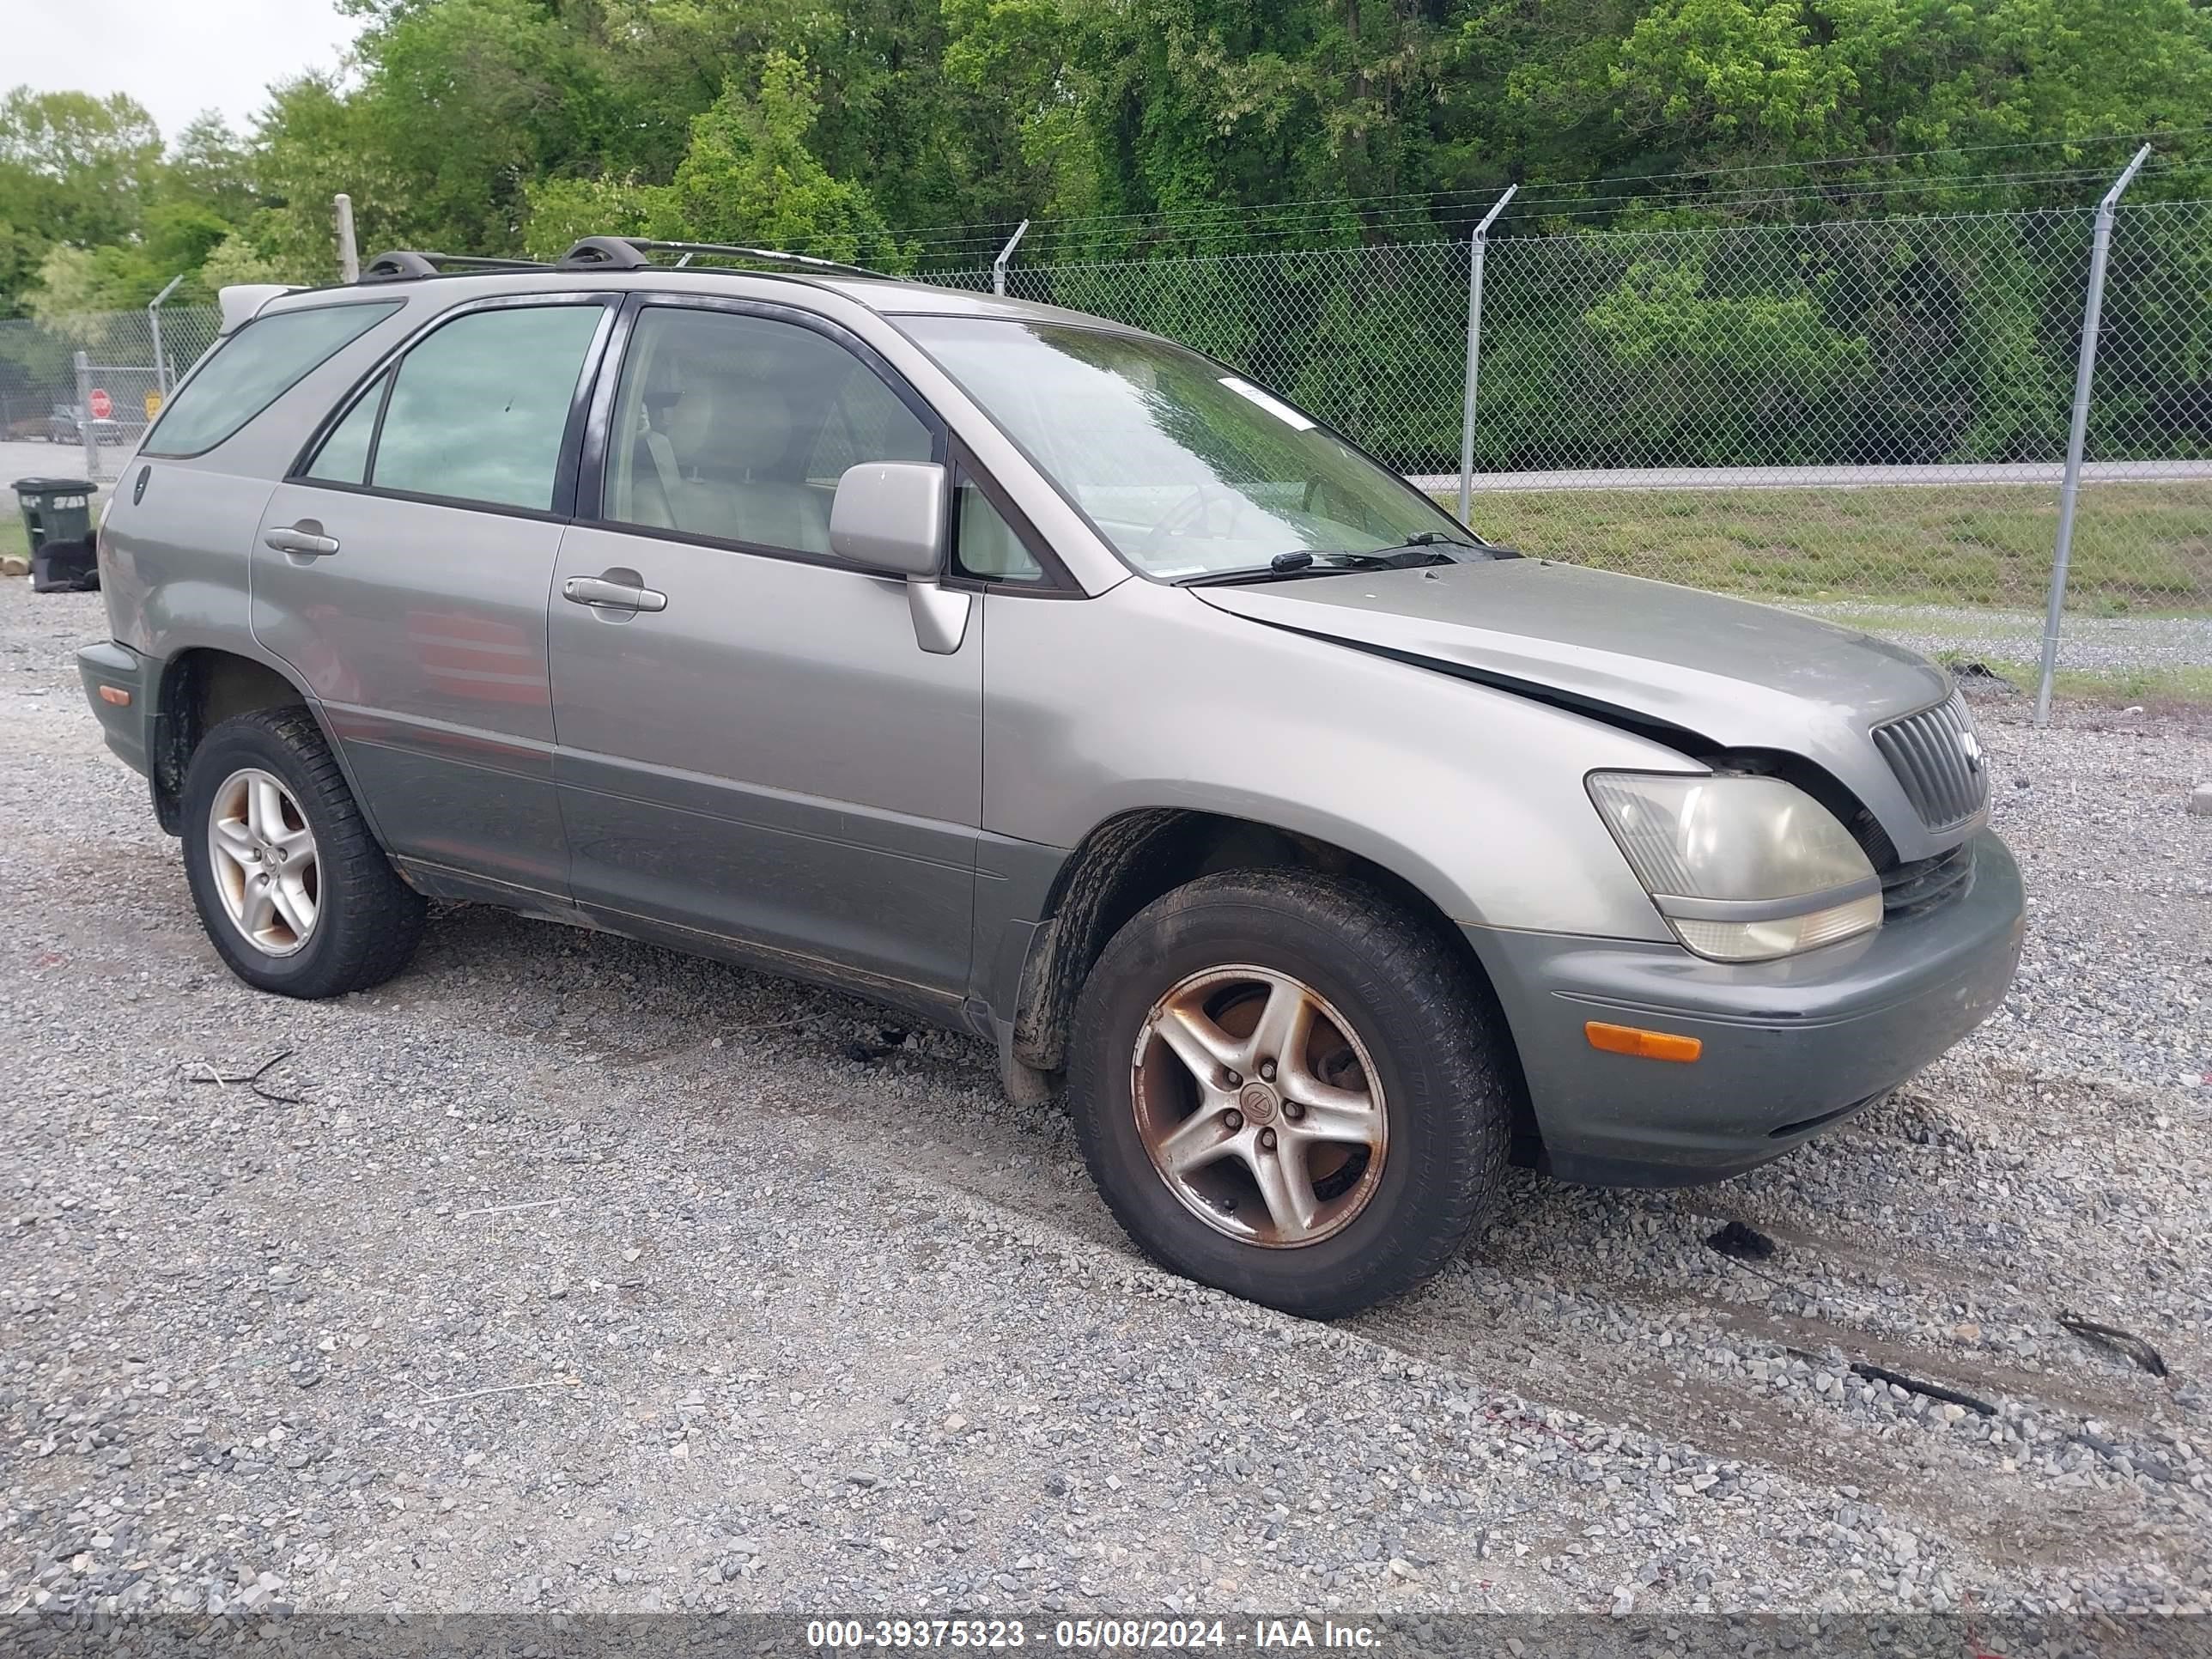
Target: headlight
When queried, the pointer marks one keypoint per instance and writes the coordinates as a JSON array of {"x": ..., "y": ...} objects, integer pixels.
[{"x": 1743, "y": 868}]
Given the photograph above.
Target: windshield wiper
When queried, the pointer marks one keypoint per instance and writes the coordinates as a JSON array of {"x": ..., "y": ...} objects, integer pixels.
[{"x": 1414, "y": 552}]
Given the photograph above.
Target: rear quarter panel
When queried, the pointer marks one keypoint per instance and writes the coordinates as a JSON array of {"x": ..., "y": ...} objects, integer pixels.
[{"x": 173, "y": 562}]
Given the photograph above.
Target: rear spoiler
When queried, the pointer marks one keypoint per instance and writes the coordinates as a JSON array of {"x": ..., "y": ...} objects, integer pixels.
[{"x": 242, "y": 302}]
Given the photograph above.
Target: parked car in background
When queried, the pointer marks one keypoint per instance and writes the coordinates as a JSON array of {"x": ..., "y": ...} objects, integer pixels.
[
  {"x": 66, "y": 425},
  {"x": 1040, "y": 676}
]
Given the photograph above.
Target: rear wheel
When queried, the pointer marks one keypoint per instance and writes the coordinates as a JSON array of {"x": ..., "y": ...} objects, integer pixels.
[
  {"x": 1286, "y": 1087},
  {"x": 292, "y": 888}
]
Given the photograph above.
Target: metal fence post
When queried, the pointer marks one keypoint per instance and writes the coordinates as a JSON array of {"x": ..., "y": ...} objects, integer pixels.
[
  {"x": 1006, "y": 254},
  {"x": 2085, "y": 371},
  {"x": 84, "y": 431},
  {"x": 348, "y": 252},
  {"x": 154, "y": 323},
  {"x": 1478, "y": 249}
]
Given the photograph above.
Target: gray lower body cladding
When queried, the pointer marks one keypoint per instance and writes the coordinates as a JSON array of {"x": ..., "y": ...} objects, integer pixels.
[{"x": 1790, "y": 1048}]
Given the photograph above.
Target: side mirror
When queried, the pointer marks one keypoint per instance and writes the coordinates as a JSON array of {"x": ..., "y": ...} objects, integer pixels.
[{"x": 889, "y": 516}]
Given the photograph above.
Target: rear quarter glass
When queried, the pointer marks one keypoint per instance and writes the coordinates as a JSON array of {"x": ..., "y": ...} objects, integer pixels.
[{"x": 251, "y": 369}]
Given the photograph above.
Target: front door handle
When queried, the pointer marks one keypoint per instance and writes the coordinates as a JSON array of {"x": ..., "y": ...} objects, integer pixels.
[
  {"x": 305, "y": 538},
  {"x": 603, "y": 595}
]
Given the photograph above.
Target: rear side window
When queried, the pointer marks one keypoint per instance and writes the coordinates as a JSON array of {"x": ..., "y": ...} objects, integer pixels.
[
  {"x": 476, "y": 412},
  {"x": 344, "y": 455},
  {"x": 252, "y": 370}
]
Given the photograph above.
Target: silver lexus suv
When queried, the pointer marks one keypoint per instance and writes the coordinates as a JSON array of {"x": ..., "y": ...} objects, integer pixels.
[{"x": 1040, "y": 678}]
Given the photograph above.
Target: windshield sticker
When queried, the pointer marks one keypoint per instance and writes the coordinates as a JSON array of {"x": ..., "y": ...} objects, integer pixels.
[{"x": 1275, "y": 406}]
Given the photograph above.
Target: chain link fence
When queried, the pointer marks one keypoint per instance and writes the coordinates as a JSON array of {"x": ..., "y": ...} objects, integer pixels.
[
  {"x": 56, "y": 380},
  {"x": 1868, "y": 418}
]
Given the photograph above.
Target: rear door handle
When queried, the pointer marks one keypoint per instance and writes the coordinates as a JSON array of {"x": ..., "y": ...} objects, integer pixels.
[
  {"x": 603, "y": 595},
  {"x": 305, "y": 537}
]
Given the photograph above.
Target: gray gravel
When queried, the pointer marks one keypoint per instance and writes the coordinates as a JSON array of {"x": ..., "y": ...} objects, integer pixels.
[
  {"x": 565, "y": 1273},
  {"x": 2107, "y": 645}
]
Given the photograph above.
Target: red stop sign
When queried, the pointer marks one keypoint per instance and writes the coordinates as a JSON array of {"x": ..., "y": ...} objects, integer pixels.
[{"x": 100, "y": 403}]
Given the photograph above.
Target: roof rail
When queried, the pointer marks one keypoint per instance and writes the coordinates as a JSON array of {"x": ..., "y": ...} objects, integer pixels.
[
  {"x": 403, "y": 264},
  {"x": 629, "y": 254}
]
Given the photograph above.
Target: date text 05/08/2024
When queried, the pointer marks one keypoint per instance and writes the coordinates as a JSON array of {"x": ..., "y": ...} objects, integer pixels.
[{"x": 1093, "y": 1635}]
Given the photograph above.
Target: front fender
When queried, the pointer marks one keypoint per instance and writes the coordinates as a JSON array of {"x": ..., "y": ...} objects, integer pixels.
[{"x": 1145, "y": 698}]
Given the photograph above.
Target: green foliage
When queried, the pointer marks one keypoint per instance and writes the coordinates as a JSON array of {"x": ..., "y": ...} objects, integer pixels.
[
  {"x": 1678, "y": 359},
  {"x": 749, "y": 178},
  {"x": 563, "y": 211},
  {"x": 212, "y": 167},
  {"x": 237, "y": 260},
  {"x": 512, "y": 126},
  {"x": 76, "y": 168},
  {"x": 497, "y": 126}
]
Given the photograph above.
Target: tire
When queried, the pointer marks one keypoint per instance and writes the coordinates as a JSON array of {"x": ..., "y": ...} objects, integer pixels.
[
  {"x": 1381, "y": 989},
  {"x": 365, "y": 922}
]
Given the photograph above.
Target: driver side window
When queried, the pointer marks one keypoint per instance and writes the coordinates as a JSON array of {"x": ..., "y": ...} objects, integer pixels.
[{"x": 737, "y": 427}]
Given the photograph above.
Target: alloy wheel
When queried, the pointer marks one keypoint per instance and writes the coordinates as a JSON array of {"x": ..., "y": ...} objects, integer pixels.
[
  {"x": 263, "y": 856},
  {"x": 1259, "y": 1106}
]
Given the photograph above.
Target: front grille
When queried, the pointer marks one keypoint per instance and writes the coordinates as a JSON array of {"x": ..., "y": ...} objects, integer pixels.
[
  {"x": 1937, "y": 762},
  {"x": 1910, "y": 889}
]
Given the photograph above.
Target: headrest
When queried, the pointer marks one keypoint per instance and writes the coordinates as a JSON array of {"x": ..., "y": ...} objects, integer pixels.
[{"x": 744, "y": 426}]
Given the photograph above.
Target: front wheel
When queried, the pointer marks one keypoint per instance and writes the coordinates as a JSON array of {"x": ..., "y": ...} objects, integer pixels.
[
  {"x": 1288, "y": 1088},
  {"x": 292, "y": 888}
]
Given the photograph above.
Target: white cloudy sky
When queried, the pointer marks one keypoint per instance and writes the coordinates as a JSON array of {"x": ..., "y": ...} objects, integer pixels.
[{"x": 175, "y": 57}]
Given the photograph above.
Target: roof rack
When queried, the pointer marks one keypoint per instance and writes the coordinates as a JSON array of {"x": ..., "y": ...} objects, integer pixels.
[
  {"x": 630, "y": 253},
  {"x": 594, "y": 254},
  {"x": 403, "y": 264}
]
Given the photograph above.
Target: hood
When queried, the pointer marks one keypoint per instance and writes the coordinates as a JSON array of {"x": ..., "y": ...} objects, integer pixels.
[
  {"x": 1740, "y": 674},
  {"x": 1695, "y": 671}
]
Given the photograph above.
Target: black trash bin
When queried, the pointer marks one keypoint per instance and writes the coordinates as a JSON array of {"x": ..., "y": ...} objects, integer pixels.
[{"x": 58, "y": 518}]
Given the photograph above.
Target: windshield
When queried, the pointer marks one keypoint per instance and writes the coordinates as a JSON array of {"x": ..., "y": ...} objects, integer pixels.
[{"x": 1186, "y": 468}]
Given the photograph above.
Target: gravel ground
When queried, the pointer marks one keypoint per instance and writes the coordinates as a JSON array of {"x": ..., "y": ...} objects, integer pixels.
[
  {"x": 2090, "y": 644},
  {"x": 564, "y": 1272}
]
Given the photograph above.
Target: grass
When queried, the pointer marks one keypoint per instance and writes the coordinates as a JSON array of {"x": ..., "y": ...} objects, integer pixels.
[
  {"x": 12, "y": 538},
  {"x": 2138, "y": 549}
]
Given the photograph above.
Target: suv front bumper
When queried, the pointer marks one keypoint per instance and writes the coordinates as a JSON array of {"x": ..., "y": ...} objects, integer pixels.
[{"x": 1791, "y": 1047}]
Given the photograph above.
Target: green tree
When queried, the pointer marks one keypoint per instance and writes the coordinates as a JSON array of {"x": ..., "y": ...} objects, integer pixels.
[
  {"x": 238, "y": 259},
  {"x": 312, "y": 144},
  {"x": 563, "y": 211},
  {"x": 750, "y": 179},
  {"x": 212, "y": 167},
  {"x": 76, "y": 168}
]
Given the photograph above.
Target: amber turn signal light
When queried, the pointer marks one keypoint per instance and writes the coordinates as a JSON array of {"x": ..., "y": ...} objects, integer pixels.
[
  {"x": 116, "y": 695},
  {"x": 1644, "y": 1045}
]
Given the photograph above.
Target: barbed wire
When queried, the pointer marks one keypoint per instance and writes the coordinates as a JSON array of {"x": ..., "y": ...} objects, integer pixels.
[
  {"x": 1437, "y": 228},
  {"x": 1257, "y": 229},
  {"x": 1900, "y": 223},
  {"x": 1321, "y": 214},
  {"x": 981, "y": 230}
]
